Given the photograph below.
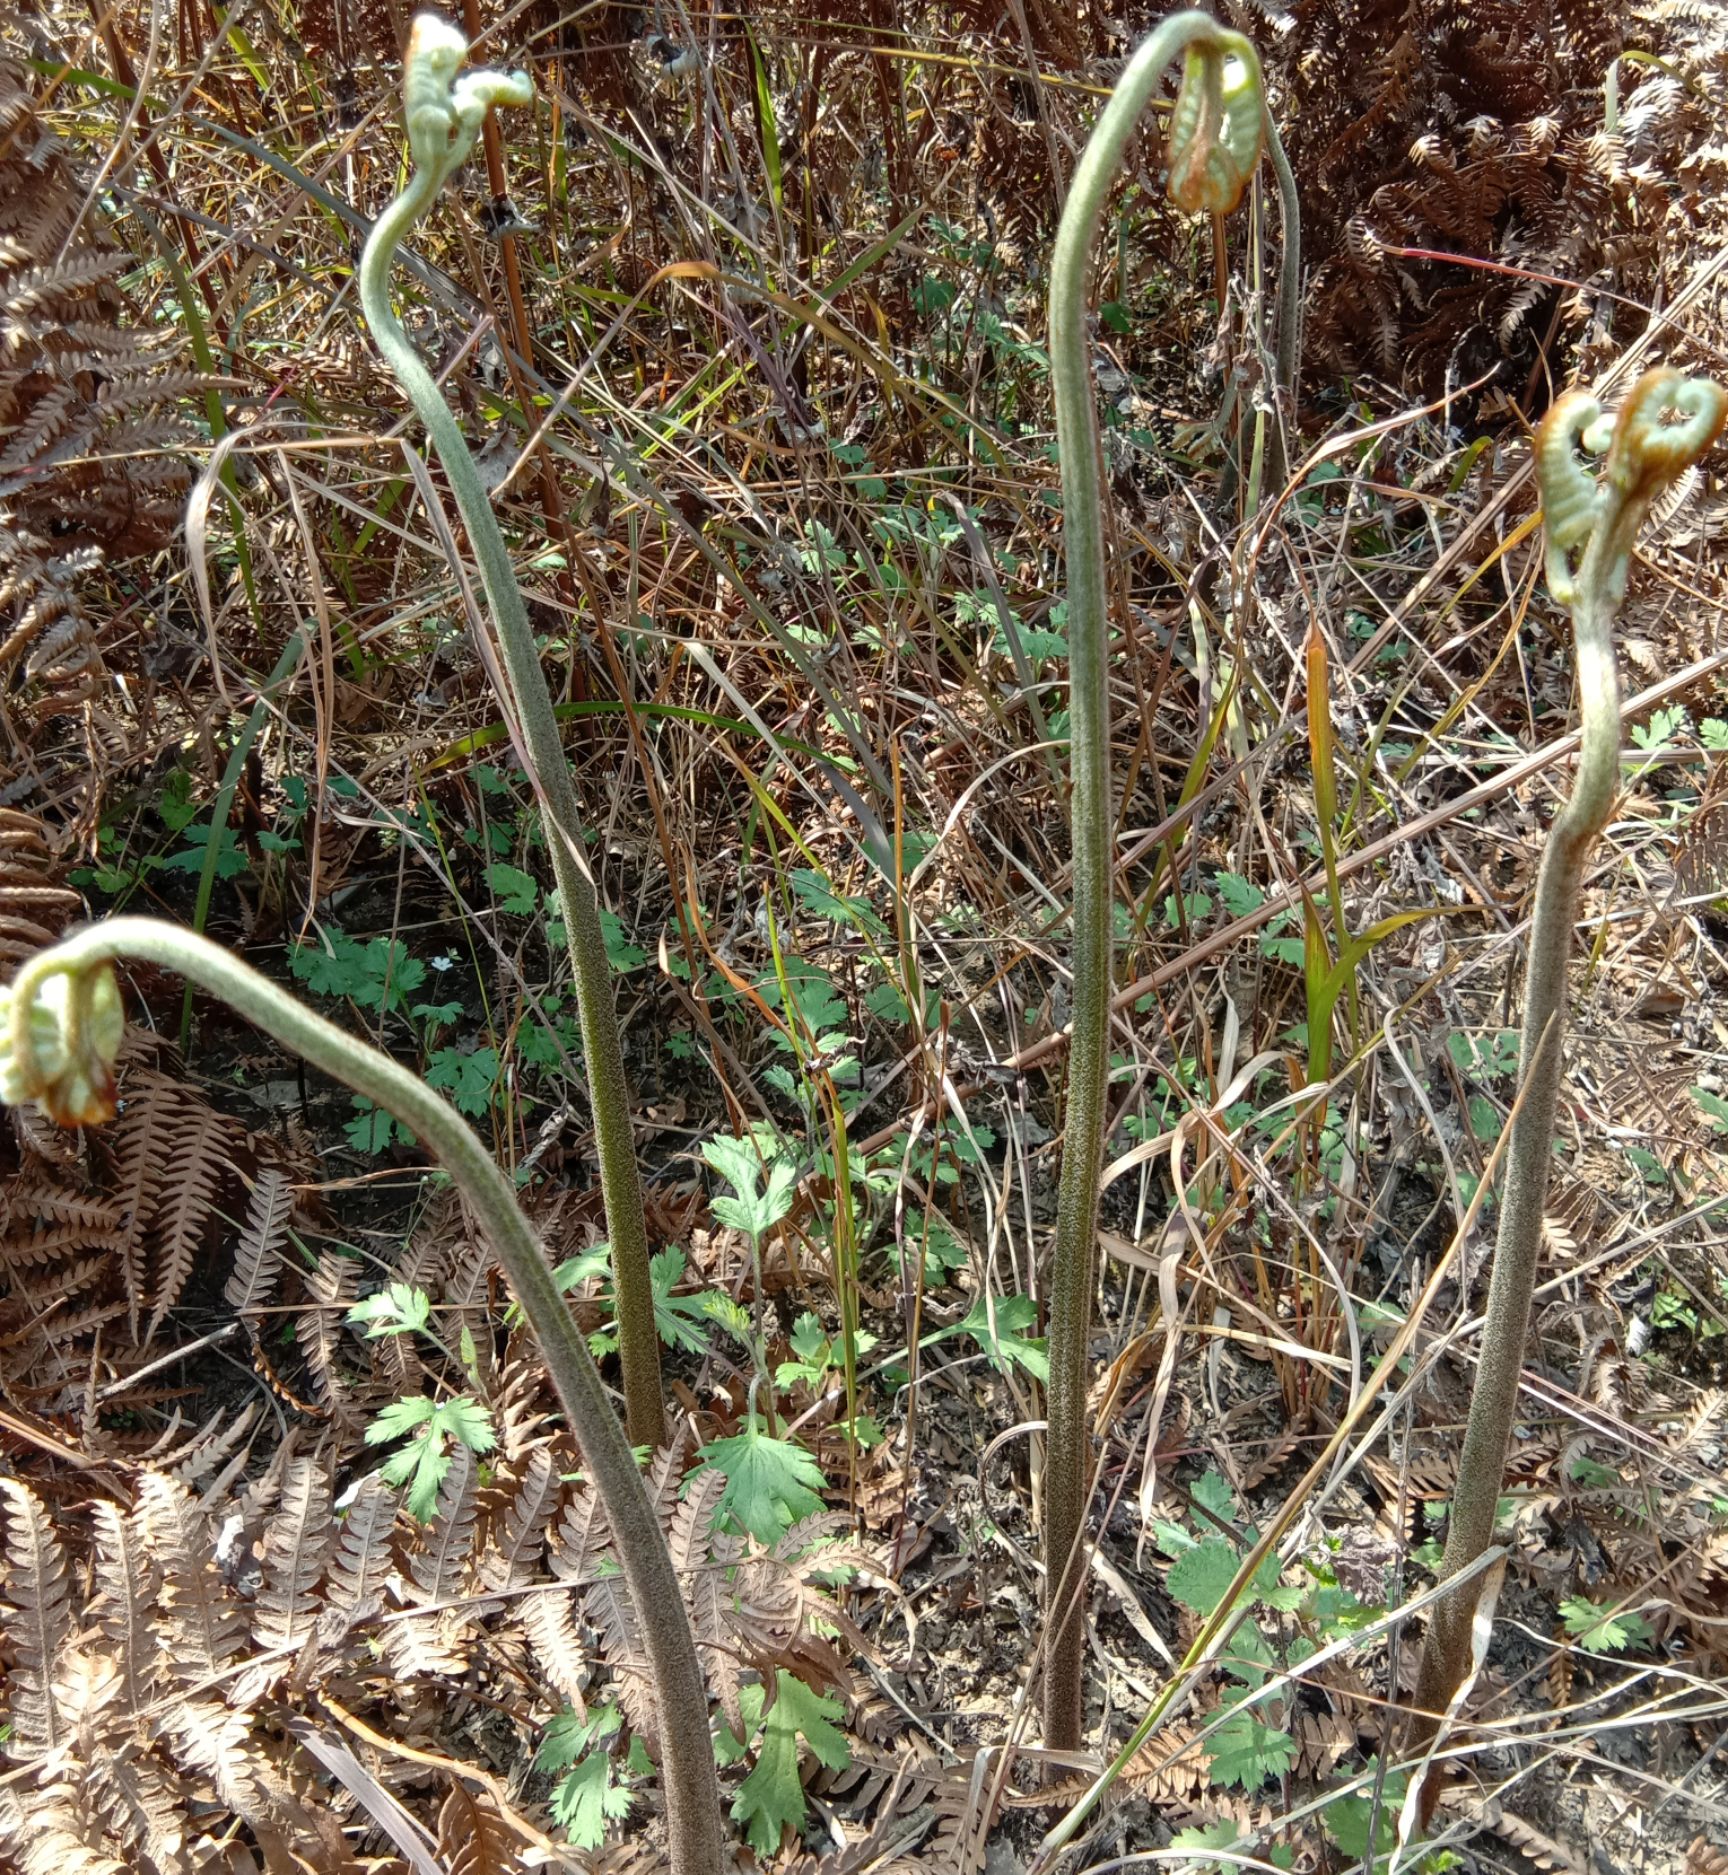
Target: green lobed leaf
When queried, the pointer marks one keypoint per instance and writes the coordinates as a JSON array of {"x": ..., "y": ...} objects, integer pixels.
[
  {"x": 771, "y": 1798},
  {"x": 764, "y": 1179},
  {"x": 1200, "y": 1577},
  {"x": 1245, "y": 1751},
  {"x": 1007, "y": 1341},
  {"x": 400, "y": 1309},
  {"x": 516, "y": 891},
  {"x": 770, "y": 1483}
]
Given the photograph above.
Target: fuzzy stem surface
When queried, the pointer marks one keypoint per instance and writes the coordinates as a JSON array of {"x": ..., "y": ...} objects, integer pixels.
[
  {"x": 1289, "y": 360},
  {"x": 439, "y": 150},
  {"x": 692, "y": 1790},
  {"x": 1067, "y": 1470},
  {"x": 1646, "y": 454}
]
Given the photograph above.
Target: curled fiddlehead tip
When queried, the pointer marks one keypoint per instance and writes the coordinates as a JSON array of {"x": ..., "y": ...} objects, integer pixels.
[
  {"x": 1646, "y": 453},
  {"x": 61, "y": 1052},
  {"x": 1571, "y": 501},
  {"x": 1217, "y": 127},
  {"x": 1649, "y": 452},
  {"x": 443, "y": 112}
]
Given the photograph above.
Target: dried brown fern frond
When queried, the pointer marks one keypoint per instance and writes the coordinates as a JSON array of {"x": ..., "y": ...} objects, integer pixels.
[
  {"x": 165, "y": 1702},
  {"x": 37, "y": 1621},
  {"x": 439, "y": 1568},
  {"x": 126, "y": 1582},
  {"x": 1461, "y": 127},
  {"x": 360, "y": 1561},
  {"x": 49, "y": 1834},
  {"x": 296, "y": 1549},
  {"x": 180, "y": 1166},
  {"x": 36, "y": 905},
  {"x": 199, "y": 1616},
  {"x": 331, "y": 1287},
  {"x": 473, "y": 1839},
  {"x": 107, "y": 1231},
  {"x": 91, "y": 463},
  {"x": 516, "y": 1527},
  {"x": 695, "y": 1543},
  {"x": 581, "y": 1545},
  {"x": 129, "y": 1774},
  {"x": 258, "y": 1251}
]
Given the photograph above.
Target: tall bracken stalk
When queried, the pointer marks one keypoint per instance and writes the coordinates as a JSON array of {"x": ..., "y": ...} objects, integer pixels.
[
  {"x": 443, "y": 115},
  {"x": 60, "y": 1031},
  {"x": 1664, "y": 426},
  {"x": 1216, "y": 129}
]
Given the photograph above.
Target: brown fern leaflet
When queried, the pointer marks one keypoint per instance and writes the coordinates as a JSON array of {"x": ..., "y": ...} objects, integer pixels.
[{"x": 89, "y": 452}]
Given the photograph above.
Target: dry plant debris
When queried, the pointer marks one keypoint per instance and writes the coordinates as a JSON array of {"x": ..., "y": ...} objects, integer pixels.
[{"x": 763, "y": 295}]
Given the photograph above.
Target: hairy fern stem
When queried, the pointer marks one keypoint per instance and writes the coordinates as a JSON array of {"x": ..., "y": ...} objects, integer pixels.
[
  {"x": 61, "y": 1031},
  {"x": 1216, "y": 129},
  {"x": 1664, "y": 426},
  {"x": 443, "y": 115}
]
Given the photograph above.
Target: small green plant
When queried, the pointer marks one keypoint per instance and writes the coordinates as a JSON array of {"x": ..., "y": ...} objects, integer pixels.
[
  {"x": 760, "y": 1169},
  {"x": 379, "y": 974},
  {"x": 814, "y": 1354},
  {"x": 430, "y": 1427},
  {"x": 681, "y": 1321},
  {"x": 771, "y": 1483},
  {"x": 406, "y": 1309},
  {"x": 1604, "y": 1630},
  {"x": 1249, "y": 1737},
  {"x": 1714, "y": 1107},
  {"x": 771, "y": 1799},
  {"x": 588, "y": 1795}
]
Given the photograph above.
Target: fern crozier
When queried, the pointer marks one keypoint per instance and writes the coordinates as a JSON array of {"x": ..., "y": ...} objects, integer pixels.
[{"x": 58, "y": 1048}]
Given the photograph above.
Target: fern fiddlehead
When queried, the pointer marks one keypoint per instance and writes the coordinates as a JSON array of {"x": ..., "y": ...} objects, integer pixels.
[
  {"x": 1592, "y": 528},
  {"x": 443, "y": 113},
  {"x": 1216, "y": 130},
  {"x": 60, "y": 1019}
]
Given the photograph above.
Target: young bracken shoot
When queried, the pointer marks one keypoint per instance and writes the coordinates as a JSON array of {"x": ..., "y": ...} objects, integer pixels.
[
  {"x": 1216, "y": 134},
  {"x": 60, "y": 1034},
  {"x": 1598, "y": 521},
  {"x": 443, "y": 114}
]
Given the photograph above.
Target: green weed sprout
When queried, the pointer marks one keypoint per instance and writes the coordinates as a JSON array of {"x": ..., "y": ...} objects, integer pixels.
[
  {"x": 1664, "y": 426},
  {"x": 60, "y": 1031},
  {"x": 1217, "y": 129},
  {"x": 443, "y": 114}
]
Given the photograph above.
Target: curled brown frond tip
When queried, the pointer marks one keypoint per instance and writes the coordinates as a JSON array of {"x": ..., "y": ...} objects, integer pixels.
[
  {"x": 1217, "y": 127},
  {"x": 1666, "y": 423}
]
